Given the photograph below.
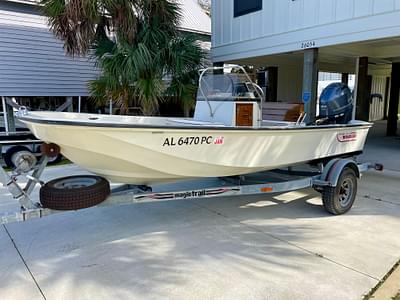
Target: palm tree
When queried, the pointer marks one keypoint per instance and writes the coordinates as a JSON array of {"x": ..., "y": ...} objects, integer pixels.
[
  {"x": 134, "y": 42},
  {"x": 80, "y": 22},
  {"x": 185, "y": 58}
]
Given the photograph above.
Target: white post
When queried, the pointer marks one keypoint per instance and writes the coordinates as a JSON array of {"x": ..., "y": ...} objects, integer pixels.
[
  {"x": 79, "y": 104},
  {"x": 355, "y": 89},
  {"x": 111, "y": 107},
  {"x": 70, "y": 107},
  {"x": 3, "y": 100}
]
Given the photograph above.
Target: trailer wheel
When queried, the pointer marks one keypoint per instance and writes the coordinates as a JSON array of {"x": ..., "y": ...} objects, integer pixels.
[
  {"x": 52, "y": 151},
  {"x": 339, "y": 199},
  {"x": 10, "y": 152},
  {"x": 55, "y": 159},
  {"x": 74, "y": 192},
  {"x": 51, "y": 160}
]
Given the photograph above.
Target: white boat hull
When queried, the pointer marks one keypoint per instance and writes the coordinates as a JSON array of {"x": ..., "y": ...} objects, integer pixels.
[{"x": 149, "y": 154}]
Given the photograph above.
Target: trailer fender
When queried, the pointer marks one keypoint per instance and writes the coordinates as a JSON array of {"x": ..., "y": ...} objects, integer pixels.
[{"x": 335, "y": 167}]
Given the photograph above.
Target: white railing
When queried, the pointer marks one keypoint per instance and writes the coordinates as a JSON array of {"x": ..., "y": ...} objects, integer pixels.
[{"x": 25, "y": 1}]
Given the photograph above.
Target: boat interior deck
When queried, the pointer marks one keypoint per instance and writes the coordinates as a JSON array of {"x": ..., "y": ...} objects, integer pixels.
[{"x": 98, "y": 120}]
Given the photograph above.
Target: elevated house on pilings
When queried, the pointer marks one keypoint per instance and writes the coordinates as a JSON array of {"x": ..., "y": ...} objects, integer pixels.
[
  {"x": 294, "y": 40},
  {"x": 34, "y": 68}
]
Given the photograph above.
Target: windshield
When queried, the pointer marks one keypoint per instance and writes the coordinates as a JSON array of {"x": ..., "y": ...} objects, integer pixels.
[{"x": 226, "y": 85}]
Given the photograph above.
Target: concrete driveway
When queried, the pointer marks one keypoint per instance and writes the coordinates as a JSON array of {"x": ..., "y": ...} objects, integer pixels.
[{"x": 270, "y": 247}]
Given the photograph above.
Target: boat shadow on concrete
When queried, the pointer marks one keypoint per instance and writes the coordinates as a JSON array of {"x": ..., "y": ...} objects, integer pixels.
[{"x": 153, "y": 248}]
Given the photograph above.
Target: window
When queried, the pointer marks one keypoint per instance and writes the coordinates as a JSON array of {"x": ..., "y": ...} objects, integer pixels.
[{"x": 243, "y": 7}]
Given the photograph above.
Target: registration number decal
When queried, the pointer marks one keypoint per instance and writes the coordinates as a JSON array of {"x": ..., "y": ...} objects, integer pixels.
[{"x": 193, "y": 140}]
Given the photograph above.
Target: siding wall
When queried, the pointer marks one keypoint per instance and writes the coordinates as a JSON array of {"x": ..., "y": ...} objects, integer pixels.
[
  {"x": 32, "y": 61},
  {"x": 286, "y": 25}
]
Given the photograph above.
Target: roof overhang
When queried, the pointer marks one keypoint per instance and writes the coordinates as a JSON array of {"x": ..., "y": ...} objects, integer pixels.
[{"x": 337, "y": 58}]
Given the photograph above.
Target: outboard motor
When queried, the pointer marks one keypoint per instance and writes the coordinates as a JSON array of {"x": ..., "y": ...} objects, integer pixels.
[{"x": 336, "y": 104}]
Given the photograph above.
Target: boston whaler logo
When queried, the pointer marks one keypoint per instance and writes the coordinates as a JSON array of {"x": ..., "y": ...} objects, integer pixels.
[
  {"x": 193, "y": 140},
  {"x": 347, "y": 137}
]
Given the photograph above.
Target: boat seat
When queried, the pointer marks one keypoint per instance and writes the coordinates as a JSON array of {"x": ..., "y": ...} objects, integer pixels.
[{"x": 281, "y": 111}]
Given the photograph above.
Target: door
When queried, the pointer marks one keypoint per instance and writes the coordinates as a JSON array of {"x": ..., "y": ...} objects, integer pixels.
[{"x": 244, "y": 114}]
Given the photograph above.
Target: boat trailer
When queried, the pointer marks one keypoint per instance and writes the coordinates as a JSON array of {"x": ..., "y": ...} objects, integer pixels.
[{"x": 336, "y": 180}]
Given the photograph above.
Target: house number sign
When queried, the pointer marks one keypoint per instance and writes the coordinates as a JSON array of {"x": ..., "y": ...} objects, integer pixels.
[{"x": 308, "y": 44}]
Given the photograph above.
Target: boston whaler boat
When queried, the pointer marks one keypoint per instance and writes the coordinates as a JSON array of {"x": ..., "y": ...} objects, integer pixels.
[
  {"x": 225, "y": 149},
  {"x": 226, "y": 137}
]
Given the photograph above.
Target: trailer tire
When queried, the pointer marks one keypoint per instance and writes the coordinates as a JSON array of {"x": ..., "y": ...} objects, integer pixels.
[
  {"x": 74, "y": 192},
  {"x": 10, "y": 152},
  {"x": 55, "y": 160},
  {"x": 339, "y": 199},
  {"x": 52, "y": 160},
  {"x": 56, "y": 156}
]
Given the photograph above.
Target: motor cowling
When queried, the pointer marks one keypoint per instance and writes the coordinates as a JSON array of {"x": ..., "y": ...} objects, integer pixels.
[{"x": 336, "y": 104}]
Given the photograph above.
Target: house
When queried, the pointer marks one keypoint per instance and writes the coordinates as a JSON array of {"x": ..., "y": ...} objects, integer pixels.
[
  {"x": 294, "y": 40},
  {"x": 33, "y": 65}
]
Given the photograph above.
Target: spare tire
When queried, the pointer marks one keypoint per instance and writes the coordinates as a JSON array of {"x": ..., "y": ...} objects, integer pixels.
[{"x": 74, "y": 192}]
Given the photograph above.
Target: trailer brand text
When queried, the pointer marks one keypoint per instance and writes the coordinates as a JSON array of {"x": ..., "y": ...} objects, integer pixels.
[{"x": 190, "y": 194}]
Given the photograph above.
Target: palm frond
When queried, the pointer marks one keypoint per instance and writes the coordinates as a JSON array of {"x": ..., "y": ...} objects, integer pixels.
[
  {"x": 78, "y": 22},
  {"x": 134, "y": 43},
  {"x": 183, "y": 54},
  {"x": 149, "y": 91}
]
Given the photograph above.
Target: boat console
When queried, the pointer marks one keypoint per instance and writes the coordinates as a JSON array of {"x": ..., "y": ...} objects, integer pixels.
[{"x": 227, "y": 95}]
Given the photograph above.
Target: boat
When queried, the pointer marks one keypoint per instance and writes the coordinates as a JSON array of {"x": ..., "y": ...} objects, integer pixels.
[{"x": 226, "y": 137}]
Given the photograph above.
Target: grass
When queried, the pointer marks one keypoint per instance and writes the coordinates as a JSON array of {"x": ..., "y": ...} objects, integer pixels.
[
  {"x": 397, "y": 297},
  {"x": 374, "y": 289},
  {"x": 64, "y": 161}
]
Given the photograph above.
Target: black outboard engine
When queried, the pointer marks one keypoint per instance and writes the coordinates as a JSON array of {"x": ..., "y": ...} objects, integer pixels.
[{"x": 335, "y": 104}]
